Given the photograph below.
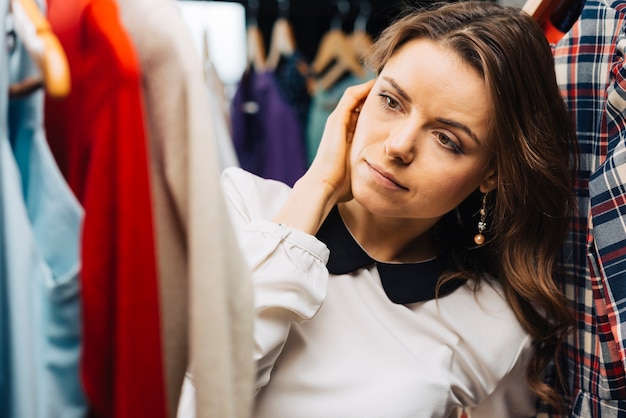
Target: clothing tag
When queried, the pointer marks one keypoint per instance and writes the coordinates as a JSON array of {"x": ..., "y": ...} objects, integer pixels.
[{"x": 250, "y": 107}]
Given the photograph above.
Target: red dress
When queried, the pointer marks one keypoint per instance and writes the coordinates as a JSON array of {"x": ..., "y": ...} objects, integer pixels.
[{"x": 98, "y": 137}]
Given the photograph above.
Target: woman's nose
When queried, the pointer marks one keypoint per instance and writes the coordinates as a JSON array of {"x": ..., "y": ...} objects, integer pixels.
[{"x": 401, "y": 144}]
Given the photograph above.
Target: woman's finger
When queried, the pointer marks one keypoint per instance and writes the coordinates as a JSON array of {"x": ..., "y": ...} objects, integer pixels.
[
  {"x": 354, "y": 96},
  {"x": 347, "y": 110}
]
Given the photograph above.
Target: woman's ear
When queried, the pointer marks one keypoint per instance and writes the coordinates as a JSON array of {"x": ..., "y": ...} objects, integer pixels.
[{"x": 490, "y": 181}]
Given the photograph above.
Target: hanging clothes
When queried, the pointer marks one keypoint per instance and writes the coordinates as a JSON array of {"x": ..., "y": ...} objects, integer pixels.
[
  {"x": 40, "y": 324},
  {"x": 205, "y": 290},
  {"x": 266, "y": 130},
  {"x": 98, "y": 138},
  {"x": 590, "y": 69},
  {"x": 290, "y": 76},
  {"x": 267, "y": 133},
  {"x": 290, "y": 66},
  {"x": 338, "y": 64}
]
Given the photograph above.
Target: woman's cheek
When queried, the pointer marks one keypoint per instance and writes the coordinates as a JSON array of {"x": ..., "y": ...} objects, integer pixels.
[{"x": 363, "y": 129}]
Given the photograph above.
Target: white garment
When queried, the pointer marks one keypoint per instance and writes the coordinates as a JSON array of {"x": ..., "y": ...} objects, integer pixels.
[{"x": 335, "y": 346}]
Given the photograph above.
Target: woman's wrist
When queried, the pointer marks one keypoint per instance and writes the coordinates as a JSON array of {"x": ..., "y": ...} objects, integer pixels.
[{"x": 308, "y": 205}]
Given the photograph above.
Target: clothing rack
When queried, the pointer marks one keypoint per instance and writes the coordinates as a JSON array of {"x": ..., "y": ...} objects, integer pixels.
[{"x": 312, "y": 19}]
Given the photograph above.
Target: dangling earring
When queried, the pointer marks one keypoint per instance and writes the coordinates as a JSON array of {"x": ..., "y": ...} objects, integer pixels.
[{"x": 479, "y": 238}]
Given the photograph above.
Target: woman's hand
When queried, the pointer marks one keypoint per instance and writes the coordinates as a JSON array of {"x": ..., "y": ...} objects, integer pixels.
[
  {"x": 327, "y": 181},
  {"x": 331, "y": 165}
]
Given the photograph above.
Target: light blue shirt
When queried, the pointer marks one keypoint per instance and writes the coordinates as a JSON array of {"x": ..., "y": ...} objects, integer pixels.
[
  {"x": 41, "y": 228},
  {"x": 323, "y": 102}
]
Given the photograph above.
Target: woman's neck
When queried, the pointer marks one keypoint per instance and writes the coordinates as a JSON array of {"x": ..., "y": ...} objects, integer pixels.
[{"x": 387, "y": 239}]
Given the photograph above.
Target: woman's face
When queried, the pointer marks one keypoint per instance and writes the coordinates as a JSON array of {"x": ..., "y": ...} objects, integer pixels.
[{"x": 420, "y": 148}]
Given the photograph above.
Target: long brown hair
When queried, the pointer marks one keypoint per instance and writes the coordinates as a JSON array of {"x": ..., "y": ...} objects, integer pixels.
[{"x": 530, "y": 138}]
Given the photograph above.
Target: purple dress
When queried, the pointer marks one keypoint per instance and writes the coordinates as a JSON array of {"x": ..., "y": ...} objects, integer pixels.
[{"x": 267, "y": 135}]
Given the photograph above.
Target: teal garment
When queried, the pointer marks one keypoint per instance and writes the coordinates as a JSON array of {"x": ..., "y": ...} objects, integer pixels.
[
  {"x": 323, "y": 103},
  {"x": 41, "y": 226}
]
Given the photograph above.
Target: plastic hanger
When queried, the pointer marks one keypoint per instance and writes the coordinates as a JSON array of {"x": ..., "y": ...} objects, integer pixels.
[
  {"x": 283, "y": 42},
  {"x": 43, "y": 46},
  {"x": 556, "y": 17}
]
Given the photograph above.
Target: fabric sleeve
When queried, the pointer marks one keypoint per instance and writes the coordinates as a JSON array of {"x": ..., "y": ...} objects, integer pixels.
[{"x": 288, "y": 266}]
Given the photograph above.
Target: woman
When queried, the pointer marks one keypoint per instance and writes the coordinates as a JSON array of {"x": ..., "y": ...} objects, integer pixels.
[{"x": 410, "y": 271}]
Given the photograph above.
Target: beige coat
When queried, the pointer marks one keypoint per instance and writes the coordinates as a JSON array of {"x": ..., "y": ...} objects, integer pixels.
[{"x": 206, "y": 295}]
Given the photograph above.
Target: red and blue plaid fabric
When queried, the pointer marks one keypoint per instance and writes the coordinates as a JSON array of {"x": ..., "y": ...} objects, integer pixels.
[{"x": 591, "y": 71}]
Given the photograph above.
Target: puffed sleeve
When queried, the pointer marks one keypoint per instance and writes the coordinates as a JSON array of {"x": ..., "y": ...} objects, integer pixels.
[{"x": 288, "y": 266}]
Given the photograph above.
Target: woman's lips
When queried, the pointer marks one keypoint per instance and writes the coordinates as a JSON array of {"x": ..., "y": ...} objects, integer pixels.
[{"x": 385, "y": 177}]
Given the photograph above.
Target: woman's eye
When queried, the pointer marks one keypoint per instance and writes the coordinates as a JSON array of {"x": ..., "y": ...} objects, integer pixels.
[
  {"x": 389, "y": 102},
  {"x": 447, "y": 142}
]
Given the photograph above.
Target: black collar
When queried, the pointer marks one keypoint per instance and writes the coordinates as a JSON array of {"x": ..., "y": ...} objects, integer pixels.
[{"x": 403, "y": 283}]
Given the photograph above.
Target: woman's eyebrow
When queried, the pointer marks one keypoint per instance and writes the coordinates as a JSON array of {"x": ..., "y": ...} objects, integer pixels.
[
  {"x": 444, "y": 121},
  {"x": 461, "y": 126},
  {"x": 398, "y": 89}
]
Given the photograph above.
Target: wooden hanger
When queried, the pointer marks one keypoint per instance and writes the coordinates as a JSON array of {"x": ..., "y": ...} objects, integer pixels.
[
  {"x": 359, "y": 38},
  {"x": 256, "y": 48},
  {"x": 44, "y": 47},
  {"x": 255, "y": 42},
  {"x": 283, "y": 42},
  {"x": 335, "y": 47},
  {"x": 346, "y": 51},
  {"x": 346, "y": 59}
]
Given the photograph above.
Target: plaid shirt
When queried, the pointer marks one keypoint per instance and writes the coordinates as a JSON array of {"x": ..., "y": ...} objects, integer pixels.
[{"x": 591, "y": 72}]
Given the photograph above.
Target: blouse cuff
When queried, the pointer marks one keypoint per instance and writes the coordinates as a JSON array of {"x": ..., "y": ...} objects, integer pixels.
[{"x": 289, "y": 268}]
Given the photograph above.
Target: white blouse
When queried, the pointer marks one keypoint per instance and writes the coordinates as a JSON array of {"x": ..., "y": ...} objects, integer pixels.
[{"x": 336, "y": 345}]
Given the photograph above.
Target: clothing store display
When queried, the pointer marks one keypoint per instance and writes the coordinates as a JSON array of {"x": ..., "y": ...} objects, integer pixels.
[
  {"x": 266, "y": 130},
  {"x": 97, "y": 135},
  {"x": 136, "y": 212},
  {"x": 590, "y": 69},
  {"x": 466, "y": 348},
  {"x": 206, "y": 299},
  {"x": 40, "y": 323}
]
